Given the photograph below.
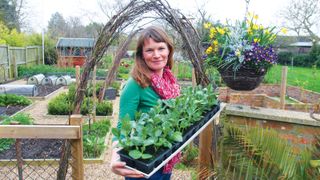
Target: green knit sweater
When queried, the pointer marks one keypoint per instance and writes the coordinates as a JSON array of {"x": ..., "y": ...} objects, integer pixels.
[{"x": 135, "y": 98}]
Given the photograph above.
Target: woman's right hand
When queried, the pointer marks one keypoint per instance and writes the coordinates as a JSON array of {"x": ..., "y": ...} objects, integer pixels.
[{"x": 119, "y": 168}]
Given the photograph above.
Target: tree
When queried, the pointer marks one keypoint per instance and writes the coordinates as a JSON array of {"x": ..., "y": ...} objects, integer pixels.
[
  {"x": 50, "y": 54},
  {"x": 93, "y": 29},
  {"x": 302, "y": 16},
  {"x": 57, "y": 26},
  {"x": 12, "y": 13}
]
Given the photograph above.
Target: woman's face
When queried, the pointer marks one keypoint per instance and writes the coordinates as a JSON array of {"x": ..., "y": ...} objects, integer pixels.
[{"x": 155, "y": 55}]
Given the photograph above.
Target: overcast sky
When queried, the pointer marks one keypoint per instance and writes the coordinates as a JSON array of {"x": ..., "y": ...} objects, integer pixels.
[{"x": 88, "y": 10}]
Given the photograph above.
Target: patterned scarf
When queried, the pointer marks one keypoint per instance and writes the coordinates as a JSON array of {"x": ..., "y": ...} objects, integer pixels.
[{"x": 166, "y": 87}]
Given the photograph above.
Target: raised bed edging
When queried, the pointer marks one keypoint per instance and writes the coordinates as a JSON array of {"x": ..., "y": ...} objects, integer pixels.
[
  {"x": 24, "y": 109},
  {"x": 148, "y": 169},
  {"x": 40, "y": 162}
]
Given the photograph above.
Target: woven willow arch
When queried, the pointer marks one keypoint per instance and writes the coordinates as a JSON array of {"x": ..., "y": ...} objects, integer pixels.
[{"x": 129, "y": 15}]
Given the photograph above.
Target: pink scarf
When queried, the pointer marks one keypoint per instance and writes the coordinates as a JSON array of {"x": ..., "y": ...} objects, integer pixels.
[{"x": 166, "y": 87}]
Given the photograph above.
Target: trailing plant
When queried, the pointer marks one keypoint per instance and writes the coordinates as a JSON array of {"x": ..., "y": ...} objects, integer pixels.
[
  {"x": 14, "y": 100},
  {"x": 165, "y": 123}
]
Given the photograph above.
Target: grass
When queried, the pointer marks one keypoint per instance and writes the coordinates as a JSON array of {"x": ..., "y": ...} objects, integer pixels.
[{"x": 307, "y": 78}]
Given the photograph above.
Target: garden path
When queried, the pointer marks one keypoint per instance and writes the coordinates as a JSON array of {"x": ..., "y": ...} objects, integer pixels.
[
  {"x": 40, "y": 108},
  {"x": 92, "y": 171}
]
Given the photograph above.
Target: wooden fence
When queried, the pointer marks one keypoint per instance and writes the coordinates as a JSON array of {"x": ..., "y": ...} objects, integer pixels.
[
  {"x": 72, "y": 132},
  {"x": 12, "y": 57}
]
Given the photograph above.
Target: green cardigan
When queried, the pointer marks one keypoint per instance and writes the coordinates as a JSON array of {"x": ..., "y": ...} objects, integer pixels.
[{"x": 135, "y": 98}]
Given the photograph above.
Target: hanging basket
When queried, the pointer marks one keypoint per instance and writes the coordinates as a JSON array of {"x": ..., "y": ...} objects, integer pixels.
[{"x": 245, "y": 79}]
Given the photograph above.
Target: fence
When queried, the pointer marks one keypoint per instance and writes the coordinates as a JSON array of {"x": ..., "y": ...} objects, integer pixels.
[
  {"x": 22, "y": 168},
  {"x": 12, "y": 57}
]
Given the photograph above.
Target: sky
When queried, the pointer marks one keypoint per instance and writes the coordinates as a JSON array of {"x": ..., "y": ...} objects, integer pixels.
[{"x": 267, "y": 10}]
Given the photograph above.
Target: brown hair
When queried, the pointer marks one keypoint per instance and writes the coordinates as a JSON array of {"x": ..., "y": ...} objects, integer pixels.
[{"x": 141, "y": 72}]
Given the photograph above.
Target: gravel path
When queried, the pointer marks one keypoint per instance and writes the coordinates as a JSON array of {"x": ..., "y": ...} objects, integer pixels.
[
  {"x": 40, "y": 109},
  {"x": 92, "y": 171}
]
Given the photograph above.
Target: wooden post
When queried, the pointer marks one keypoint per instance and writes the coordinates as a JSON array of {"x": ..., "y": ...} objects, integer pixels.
[
  {"x": 194, "y": 81},
  {"x": 176, "y": 70},
  {"x": 77, "y": 76},
  {"x": 283, "y": 87},
  {"x": 77, "y": 150},
  {"x": 26, "y": 54},
  {"x": 94, "y": 94},
  {"x": 18, "y": 154},
  {"x": 205, "y": 159},
  {"x": 8, "y": 71}
]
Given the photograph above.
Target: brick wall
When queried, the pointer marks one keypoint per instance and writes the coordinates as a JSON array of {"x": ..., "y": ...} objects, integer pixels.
[
  {"x": 262, "y": 97},
  {"x": 297, "y": 135}
]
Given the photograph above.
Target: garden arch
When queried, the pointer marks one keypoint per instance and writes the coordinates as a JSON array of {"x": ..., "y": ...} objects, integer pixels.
[{"x": 129, "y": 15}]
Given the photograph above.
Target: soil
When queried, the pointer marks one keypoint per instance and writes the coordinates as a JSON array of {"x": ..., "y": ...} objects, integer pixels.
[
  {"x": 35, "y": 149},
  {"x": 44, "y": 90},
  {"x": 9, "y": 110}
]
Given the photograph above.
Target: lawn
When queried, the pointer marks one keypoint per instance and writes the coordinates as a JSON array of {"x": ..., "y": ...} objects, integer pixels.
[{"x": 307, "y": 78}]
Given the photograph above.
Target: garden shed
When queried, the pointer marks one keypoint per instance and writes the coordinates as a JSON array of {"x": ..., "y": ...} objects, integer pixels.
[{"x": 73, "y": 51}]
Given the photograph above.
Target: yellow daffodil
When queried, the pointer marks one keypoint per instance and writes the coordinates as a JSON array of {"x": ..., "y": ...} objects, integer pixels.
[
  {"x": 261, "y": 26},
  {"x": 209, "y": 50},
  {"x": 238, "y": 53},
  {"x": 255, "y": 27},
  {"x": 255, "y": 17},
  {"x": 267, "y": 32},
  {"x": 284, "y": 30},
  {"x": 207, "y": 25},
  {"x": 221, "y": 31},
  {"x": 212, "y": 32},
  {"x": 256, "y": 40}
]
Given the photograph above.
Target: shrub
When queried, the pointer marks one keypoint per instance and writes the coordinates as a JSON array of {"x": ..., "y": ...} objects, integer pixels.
[
  {"x": 44, "y": 69},
  {"x": 94, "y": 137},
  {"x": 14, "y": 100},
  {"x": 302, "y": 60},
  {"x": 60, "y": 105},
  {"x": 104, "y": 108},
  {"x": 284, "y": 58}
]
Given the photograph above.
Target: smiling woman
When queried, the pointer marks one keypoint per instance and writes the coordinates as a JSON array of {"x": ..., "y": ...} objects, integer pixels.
[
  {"x": 155, "y": 55},
  {"x": 151, "y": 80}
]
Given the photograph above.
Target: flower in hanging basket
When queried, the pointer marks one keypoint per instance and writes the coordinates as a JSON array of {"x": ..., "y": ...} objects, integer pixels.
[{"x": 240, "y": 48}]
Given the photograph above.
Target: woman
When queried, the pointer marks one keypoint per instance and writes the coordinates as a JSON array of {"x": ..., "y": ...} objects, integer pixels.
[{"x": 151, "y": 80}]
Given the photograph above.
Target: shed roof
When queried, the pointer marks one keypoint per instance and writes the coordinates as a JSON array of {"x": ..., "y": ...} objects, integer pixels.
[{"x": 75, "y": 42}]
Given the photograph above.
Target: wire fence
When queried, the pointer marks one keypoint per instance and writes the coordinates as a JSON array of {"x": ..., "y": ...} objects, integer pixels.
[{"x": 31, "y": 158}]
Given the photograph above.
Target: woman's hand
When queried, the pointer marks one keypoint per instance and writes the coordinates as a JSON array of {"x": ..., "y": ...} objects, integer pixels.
[{"x": 119, "y": 168}]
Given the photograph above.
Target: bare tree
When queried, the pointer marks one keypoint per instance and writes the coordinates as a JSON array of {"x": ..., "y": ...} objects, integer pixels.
[{"x": 302, "y": 16}]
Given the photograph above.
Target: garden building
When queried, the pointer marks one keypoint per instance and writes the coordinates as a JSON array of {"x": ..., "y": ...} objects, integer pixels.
[{"x": 73, "y": 51}]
